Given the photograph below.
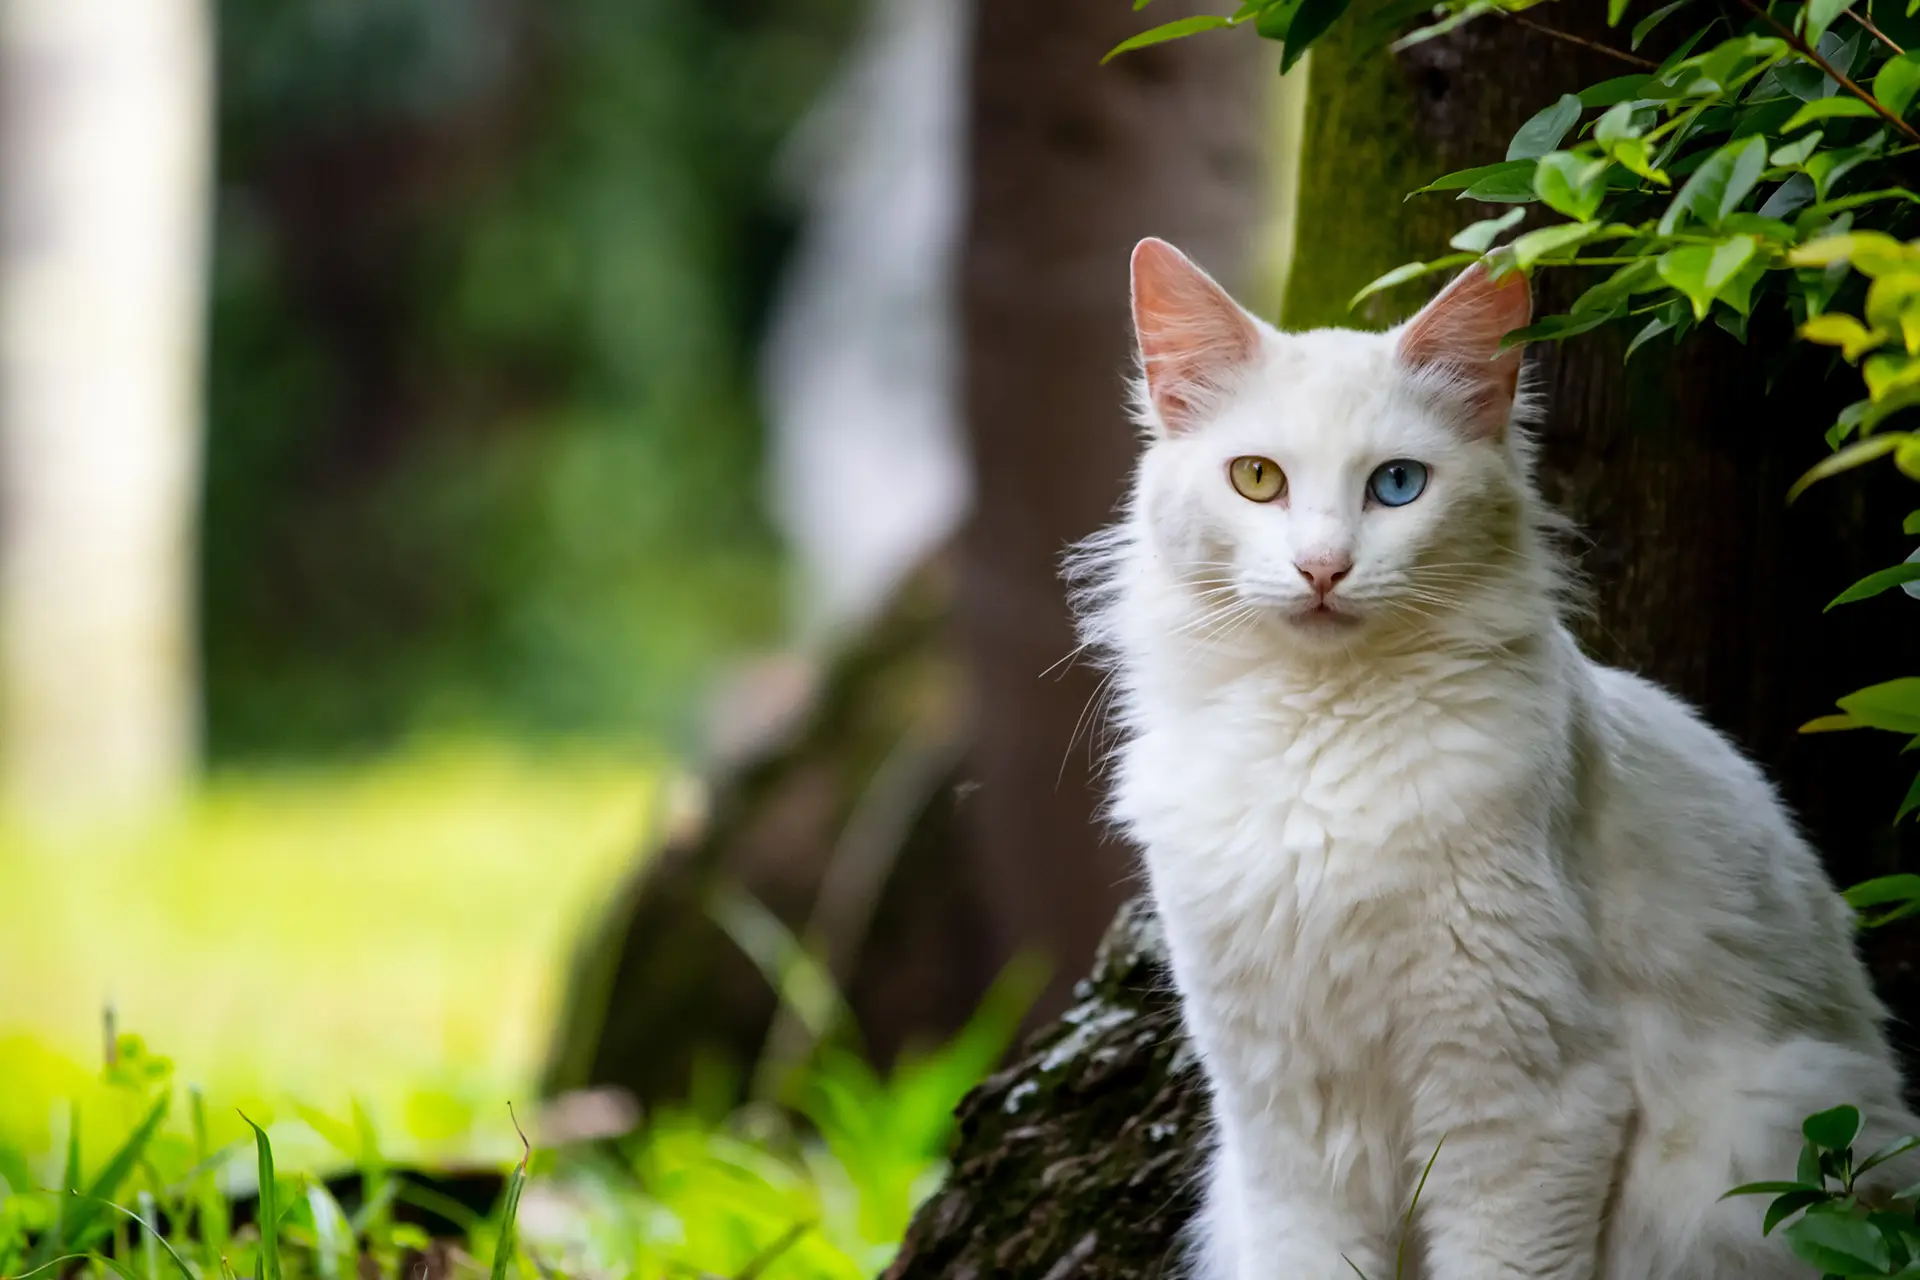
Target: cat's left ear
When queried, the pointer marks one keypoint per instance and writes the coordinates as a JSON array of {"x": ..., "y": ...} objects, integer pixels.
[
  {"x": 1458, "y": 335},
  {"x": 1193, "y": 337}
]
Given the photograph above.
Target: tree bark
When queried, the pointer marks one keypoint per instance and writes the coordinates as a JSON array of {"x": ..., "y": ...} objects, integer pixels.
[
  {"x": 104, "y": 173},
  {"x": 1071, "y": 163},
  {"x": 1676, "y": 467}
]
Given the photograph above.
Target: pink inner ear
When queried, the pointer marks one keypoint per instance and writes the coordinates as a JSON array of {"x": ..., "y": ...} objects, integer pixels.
[
  {"x": 1192, "y": 334},
  {"x": 1461, "y": 330}
]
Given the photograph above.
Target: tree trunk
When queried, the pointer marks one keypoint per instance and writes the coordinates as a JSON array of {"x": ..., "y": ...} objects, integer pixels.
[
  {"x": 104, "y": 168},
  {"x": 1071, "y": 164},
  {"x": 1080, "y": 1160}
]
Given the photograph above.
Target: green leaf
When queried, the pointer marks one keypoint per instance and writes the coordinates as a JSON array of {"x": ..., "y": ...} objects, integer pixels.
[
  {"x": 1828, "y": 167},
  {"x": 1875, "y": 583},
  {"x": 1410, "y": 271},
  {"x": 1893, "y": 705},
  {"x": 1571, "y": 184},
  {"x": 1644, "y": 28},
  {"x": 1309, "y": 24},
  {"x": 1508, "y": 188},
  {"x": 1273, "y": 20},
  {"x": 1871, "y": 253},
  {"x": 1625, "y": 120},
  {"x": 1479, "y": 237},
  {"x": 1718, "y": 186},
  {"x": 1174, "y": 30},
  {"x": 1852, "y": 456},
  {"x": 1553, "y": 327},
  {"x": 1804, "y": 80},
  {"x": 1619, "y": 89},
  {"x": 1619, "y": 134},
  {"x": 1836, "y": 329},
  {"x": 1890, "y": 298},
  {"x": 1911, "y": 802},
  {"x": 1821, "y": 14},
  {"x": 1730, "y": 257},
  {"x": 1898, "y": 1147},
  {"x": 1686, "y": 270},
  {"x": 1543, "y": 133},
  {"x": 1766, "y": 1189},
  {"x": 1897, "y": 83},
  {"x": 1795, "y": 154},
  {"x": 1637, "y": 276},
  {"x": 1537, "y": 244},
  {"x": 1825, "y": 109},
  {"x": 269, "y": 1210},
  {"x": 1889, "y": 373},
  {"x": 1808, "y": 1169},
  {"x": 1883, "y": 891},
  {"x": 1786, "y": 1206},
  {"x": 1839, "y": 1243},
  {"x": 1464, "y": 178},
  {"x": 1653, "y": 329}
]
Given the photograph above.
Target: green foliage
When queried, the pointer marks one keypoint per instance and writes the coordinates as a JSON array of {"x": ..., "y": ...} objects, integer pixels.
[
  {"x": 1831, "y": 1224},
  {"x": 822, "y": 1189}
]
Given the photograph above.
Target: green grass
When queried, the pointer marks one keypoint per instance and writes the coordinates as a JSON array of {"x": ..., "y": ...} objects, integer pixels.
[
  {"x": 819, "y": 1183},
  {"x": 394, "y": 934}
]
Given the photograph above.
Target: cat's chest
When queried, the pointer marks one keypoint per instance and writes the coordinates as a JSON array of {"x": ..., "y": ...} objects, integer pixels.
[
  {"x": 1329, "y": 802},
  {"x": 1312, "y": 870}
]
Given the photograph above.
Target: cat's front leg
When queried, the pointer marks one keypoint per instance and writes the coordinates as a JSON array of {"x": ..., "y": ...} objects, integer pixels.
[
  {"x": 1521, "y": 1194},
  {"x": 1272, "y": 1219}
]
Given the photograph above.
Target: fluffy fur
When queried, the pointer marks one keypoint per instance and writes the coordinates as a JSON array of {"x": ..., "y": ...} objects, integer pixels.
[{"x": 1427, "y": 872}]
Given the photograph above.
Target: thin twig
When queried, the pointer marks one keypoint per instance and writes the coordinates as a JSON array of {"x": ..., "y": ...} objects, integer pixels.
[
  {"x": 1875, "y": 32},
  {"x": 1812, "y": 55},
  {"x": 1555, "y": 33}
]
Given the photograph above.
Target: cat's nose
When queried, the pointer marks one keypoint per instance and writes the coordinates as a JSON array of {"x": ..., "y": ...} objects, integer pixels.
[{"x": 1324, "y": 572}]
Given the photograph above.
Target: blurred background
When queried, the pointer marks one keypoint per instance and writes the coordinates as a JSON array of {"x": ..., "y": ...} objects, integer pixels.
[
  {"x": 524, "y": 523},
  {"x": 529, "y": 570}
]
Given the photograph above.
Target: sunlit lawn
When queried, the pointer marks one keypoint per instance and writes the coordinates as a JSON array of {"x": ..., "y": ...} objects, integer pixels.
[{"x": 396, "y": 933}]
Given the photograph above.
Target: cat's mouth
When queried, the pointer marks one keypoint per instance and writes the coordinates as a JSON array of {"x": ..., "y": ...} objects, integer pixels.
[{"x": 1323, "y": 614}]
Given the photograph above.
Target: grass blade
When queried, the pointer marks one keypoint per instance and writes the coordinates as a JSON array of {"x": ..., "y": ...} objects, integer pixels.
[
  {"x": 268, "y": 1215},
  {"x": 56, "y": 1237},
  {"x": 1406, "y": 1226},
  {"x": 49, "y": 1264},
  {"x": 151, "y": 1235},
  {"x": 81, "y": 1217},
  {"x": 210, "y": 1206},
  {"x": 510, "y": 1207}
]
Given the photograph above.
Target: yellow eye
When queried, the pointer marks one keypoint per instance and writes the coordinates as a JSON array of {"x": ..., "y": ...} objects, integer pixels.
[{"x": 1257, "y": 479}]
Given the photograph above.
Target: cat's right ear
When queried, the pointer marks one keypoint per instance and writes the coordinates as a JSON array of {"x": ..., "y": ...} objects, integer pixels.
[
  {"x": 1459, "y": 335},
  {"x": 1193, "y": 337}
]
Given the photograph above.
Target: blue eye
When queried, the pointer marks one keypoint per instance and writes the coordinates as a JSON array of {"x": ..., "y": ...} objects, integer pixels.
[{"x": 1396, "y": 483}]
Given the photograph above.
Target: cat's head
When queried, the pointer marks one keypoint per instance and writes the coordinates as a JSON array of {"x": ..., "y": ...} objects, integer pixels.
[{"x": 1330, "y": 488}]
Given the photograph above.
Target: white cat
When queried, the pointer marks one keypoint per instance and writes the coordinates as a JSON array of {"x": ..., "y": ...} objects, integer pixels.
[{"x": 1426, "y": 871}]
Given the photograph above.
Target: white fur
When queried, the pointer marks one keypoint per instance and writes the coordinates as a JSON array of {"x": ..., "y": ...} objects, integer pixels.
[{"x": 1433, "y": 874}]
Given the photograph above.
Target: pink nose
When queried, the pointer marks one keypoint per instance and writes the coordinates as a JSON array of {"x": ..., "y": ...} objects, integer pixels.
[{"x": 1323, "y": 573}]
